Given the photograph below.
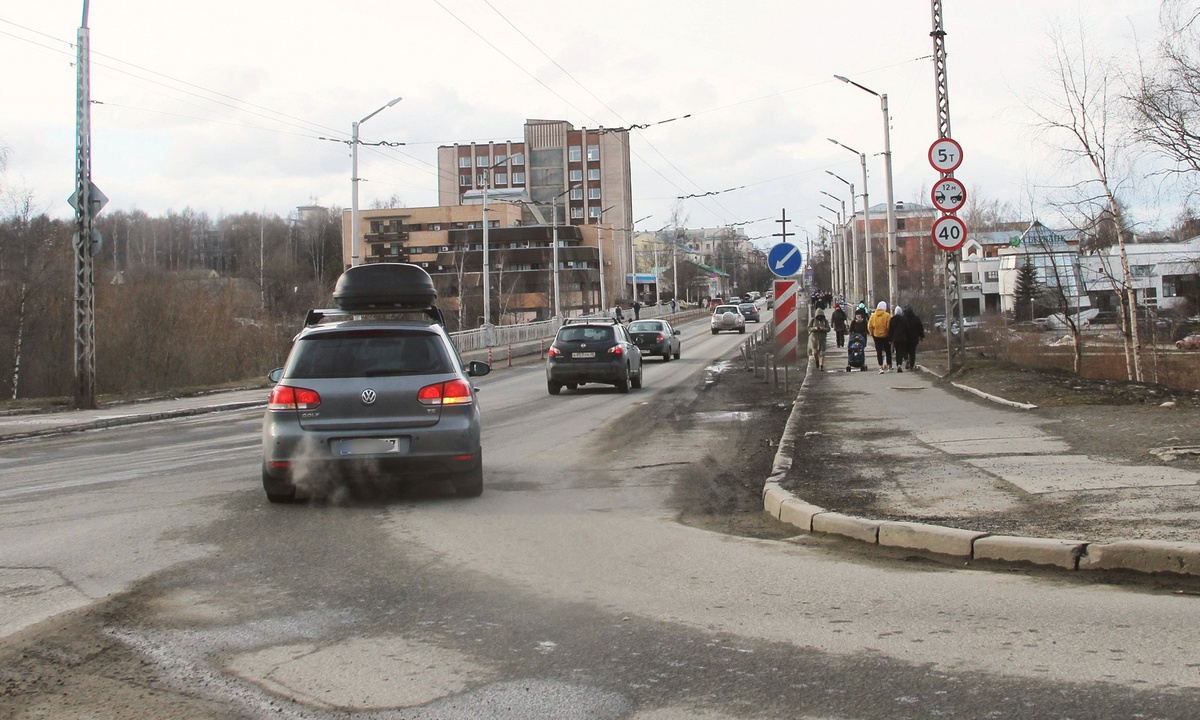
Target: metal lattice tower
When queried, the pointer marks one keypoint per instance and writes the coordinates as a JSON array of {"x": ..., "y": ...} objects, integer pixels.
[
  {"x": 953, "y": 268},
  {"x": 85, "y": 286}
]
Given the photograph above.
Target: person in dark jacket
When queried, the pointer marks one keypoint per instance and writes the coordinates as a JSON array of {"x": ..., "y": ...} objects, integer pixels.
[
  {"x": 838, "y": 318},
  {"x": 916, "y": 333},
  {"x": 859, "y": 323},
  {"x": 900, "y": 338}
]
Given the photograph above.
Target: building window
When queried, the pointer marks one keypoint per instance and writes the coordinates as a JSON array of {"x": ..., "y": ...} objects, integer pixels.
[
  {"x": 594, "y": 212},
  {"x": 594, "y": 193},
  {"x": 499, "y": 159},
  {"x": 518, "y": 159},
  {"x": 518, "y": 178},
  {"x": 464, "y": 180},
  {"x": 501, "y": 178},
  {"x": 464, "y": 161},
  {"x": 593, "y": 173},
  {"x": 593, "y": 153},
  {"x": 482, "y": 161},
  {"x": 576, "y": 193},
  {"x": 576, "y": 176},
  {"x": 435, "y": 226},
  {"x": 991, "y": 276},
  {"x": 574, "y": 153},
  {"x": 576, "y": 213},
  {"x": 899, "y": 223}
]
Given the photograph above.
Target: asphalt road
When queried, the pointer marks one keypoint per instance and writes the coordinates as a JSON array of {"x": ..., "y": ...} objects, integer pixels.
[{"x": 144, "y": 575}]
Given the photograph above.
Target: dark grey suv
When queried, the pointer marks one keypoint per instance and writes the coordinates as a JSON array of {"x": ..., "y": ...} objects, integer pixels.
[
  {"x": 372, "y": 390},
  {"x": 593, "y": 351}
]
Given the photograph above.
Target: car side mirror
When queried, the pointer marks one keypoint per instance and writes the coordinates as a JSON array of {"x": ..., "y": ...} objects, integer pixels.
[
  {"x": 477, "y": 368},
  {"x": 274, "y": 375}
]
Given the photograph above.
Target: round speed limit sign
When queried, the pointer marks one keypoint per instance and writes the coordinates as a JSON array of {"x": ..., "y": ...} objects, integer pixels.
[{"x": 949, "y": 232}]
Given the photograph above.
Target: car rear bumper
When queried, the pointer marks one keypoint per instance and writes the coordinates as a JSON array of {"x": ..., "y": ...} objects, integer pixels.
[
  {"x": 452, "y": 446},
  {"x": 608, "y": 371}
]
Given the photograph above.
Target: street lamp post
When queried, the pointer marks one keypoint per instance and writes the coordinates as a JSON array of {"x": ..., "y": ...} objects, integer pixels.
[
  {"x": 867, "y": 220},
  {"x": 893, "y": 290},
  {"x": 838, "y": 262},
  {"x": 554, "y": 248},
  {"x": 600, "y": 246},
  {"x": 855, "y": 277},
  {"x": 633, "y": 259},
  {"x": 354, "y": 181},
  {"x": 487, "y": 266}
]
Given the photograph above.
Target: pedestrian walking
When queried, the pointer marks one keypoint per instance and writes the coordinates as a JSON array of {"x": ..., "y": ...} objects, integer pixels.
[
  {"x": 899, "y": 337},
  {"x": 818, "y": 329},
  {"x": 916, "y": 333},
  {"x": 637, "y": 309},
  {"x": 878, "y": 327},
  {"x": 620, "y": 316},
  {"x": 838, "y": 318}
]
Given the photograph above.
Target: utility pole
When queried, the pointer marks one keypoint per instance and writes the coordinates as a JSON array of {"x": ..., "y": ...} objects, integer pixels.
[
  {"x": 955, "y": 344},
  {"x": 85, "y": 280}
]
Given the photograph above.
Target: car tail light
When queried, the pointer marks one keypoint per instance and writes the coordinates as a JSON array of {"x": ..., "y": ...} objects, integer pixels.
[
  {"x": 285, "y": 397},
  {"x": 554, "y": 351},
  {"x": 616, "y": 350},
  {"x": 451, "y": 392},
  {"x": 659, "y": 338}
]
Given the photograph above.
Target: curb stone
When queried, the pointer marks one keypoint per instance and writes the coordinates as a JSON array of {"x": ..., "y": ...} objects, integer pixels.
[{"x": 1141, "y": 556}]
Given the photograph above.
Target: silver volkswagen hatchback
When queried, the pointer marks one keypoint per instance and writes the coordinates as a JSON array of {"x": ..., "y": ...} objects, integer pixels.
[{"x": 371, "y": 391}]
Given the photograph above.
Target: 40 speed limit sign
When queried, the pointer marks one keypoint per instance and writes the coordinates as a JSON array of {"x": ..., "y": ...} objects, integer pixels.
[{"x": 949, "y": 233}]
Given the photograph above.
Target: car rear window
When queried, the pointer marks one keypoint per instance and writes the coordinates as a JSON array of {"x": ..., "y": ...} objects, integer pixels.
[
  {"x": 368, "y": 353},
  {"x": 727, "y": 308},
  {"x": 586, "y": 334},
  {"x": 645, "y": 327}
]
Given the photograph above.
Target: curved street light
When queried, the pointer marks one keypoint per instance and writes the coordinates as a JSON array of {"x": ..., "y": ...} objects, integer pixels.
[
  {"x": 870, "y": 248},
  {"x": 853, "y": 260},
  {"x": 354, "y": 242},
  {"x": 887, "y": 168}
]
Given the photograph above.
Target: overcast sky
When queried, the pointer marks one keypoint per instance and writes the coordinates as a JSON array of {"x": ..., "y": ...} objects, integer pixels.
[{"x": 220, "y": 105}]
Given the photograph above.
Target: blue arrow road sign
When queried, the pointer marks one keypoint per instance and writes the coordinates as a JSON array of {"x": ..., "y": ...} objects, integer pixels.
[{"x": 784, "y": 259}]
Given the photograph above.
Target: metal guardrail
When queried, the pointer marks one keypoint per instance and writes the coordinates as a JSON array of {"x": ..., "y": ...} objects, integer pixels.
[{"x": 500, "y": 335}]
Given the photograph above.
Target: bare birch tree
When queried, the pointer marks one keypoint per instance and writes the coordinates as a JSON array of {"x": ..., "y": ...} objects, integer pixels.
[{"x": 1082, "y": 112}]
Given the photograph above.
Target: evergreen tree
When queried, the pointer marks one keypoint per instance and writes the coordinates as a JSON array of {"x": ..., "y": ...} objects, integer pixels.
[{"x": 1027, "y": 292}]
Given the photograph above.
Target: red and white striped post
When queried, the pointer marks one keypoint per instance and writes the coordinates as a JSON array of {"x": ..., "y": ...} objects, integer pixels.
[{"x": 786, "y": 326}]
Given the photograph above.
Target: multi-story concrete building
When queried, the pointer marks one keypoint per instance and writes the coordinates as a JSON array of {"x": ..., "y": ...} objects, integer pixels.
[
  {"x": 581, "y": 175},
  {"x": 448, "y": 242}
]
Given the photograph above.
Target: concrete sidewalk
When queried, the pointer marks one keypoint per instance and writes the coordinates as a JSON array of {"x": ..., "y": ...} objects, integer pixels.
[{"x": 907, "y": 461}]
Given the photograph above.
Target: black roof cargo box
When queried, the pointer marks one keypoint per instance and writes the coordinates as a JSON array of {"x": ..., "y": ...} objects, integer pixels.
[{"x": 384, "y": 285}]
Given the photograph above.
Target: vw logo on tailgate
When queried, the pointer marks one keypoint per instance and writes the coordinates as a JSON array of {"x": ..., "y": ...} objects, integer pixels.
[{"x": 369, "y": 397}]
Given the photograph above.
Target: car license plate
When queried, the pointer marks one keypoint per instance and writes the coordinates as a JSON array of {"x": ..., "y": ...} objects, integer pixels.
[
  {"x": 583, "y": 355},
  {"x": 369, "y": 446}
]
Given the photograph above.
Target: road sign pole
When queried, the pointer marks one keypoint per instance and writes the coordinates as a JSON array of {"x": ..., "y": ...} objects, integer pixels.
[{"x": 955, "y": 344}]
